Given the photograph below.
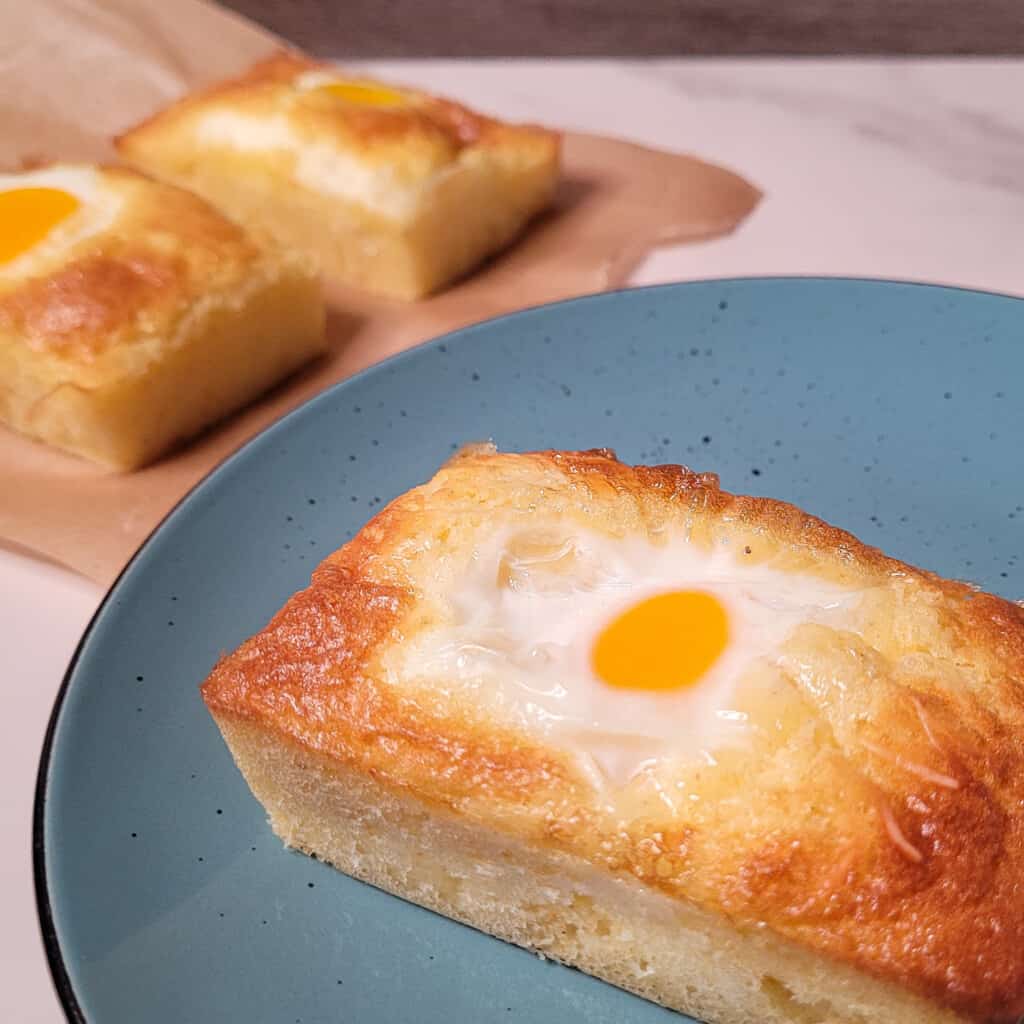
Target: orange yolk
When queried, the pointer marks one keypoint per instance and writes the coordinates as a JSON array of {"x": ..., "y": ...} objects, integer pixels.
[
  {"x": 28, "y": 215},
  {"x": 666, "y": 642},
  {"x": 365, "y": 94}
]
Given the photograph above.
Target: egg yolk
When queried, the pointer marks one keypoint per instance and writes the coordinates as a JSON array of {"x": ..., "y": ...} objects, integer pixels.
[
  {"x": 365, "y": 94},
  {"x": 28, "y": 215},
  {"x": 666, "y": 642}
]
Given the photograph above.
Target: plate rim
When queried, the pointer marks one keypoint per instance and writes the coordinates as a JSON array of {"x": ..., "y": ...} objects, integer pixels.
[{"x": 65, "y": 991}]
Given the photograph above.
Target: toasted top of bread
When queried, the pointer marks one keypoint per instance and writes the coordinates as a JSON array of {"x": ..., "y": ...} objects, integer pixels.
[
  {"x": 306, "y": 122},
  {"x": 871, "y": 806},
  {"x": 125, "y": 261}
]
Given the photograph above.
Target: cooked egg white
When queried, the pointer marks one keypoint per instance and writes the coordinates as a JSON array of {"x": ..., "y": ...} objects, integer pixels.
[
  {"x": 44, "y": 211},
  {"x": 323, "y": 166},
  {"x": 320, "y": 167},
  {"x": 619, "y": 649}
]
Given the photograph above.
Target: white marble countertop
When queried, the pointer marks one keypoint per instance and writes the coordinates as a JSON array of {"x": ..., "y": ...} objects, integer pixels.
[{"x": 910, "y": 169}]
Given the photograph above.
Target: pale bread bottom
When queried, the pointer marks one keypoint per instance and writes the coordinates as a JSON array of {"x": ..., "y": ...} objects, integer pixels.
[
  {"x": 473, "y": 213},
  {"x": 226, "y": 351},
  {"x": 675, "y": 954}
]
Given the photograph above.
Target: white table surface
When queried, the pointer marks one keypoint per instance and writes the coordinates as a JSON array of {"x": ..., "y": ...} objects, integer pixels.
[{"x": 909, "y": 169}]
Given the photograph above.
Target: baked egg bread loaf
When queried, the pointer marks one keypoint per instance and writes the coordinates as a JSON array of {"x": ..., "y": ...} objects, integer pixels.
[
  {"x": 394, "y": 190},
  {"x": 133, "y": 314},
  {"x": 704, "y": 746}
]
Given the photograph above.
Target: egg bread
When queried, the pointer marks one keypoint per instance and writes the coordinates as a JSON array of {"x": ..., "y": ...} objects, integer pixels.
[
  {"x": 133, "y": 314},
  {"x": 394, "y": 190},
  {"x": 704, "y": 746}
]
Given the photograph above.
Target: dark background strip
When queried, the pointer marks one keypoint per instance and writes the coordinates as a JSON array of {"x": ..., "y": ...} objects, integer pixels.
[{"x": 493, "y": 28}]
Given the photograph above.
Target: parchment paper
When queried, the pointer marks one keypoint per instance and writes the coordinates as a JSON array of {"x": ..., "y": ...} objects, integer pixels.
[{"x": 75, "y": 72}]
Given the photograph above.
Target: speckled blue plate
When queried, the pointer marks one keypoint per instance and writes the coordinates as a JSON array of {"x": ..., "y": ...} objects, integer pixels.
[{"x": 896, "y": 411}]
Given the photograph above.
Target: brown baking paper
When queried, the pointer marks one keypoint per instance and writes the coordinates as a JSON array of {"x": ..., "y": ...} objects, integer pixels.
[{"x": 75, "y": 72}]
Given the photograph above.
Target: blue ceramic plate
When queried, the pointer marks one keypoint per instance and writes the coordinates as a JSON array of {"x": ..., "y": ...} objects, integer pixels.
[{"x": 896, "y": 411}]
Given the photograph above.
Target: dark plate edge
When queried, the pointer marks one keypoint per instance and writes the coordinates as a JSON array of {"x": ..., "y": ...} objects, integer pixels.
[{"x": 54, "y": 954}]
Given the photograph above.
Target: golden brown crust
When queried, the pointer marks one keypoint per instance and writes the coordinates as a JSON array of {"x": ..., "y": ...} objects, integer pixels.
[
  {"x": 399, "y": 198},
  {"x": 420, "y": 136},
  {"x": 122, "y": 308},
  {"x": 79, "y": 306},
  {"x": 882, "y": 826},
  {"x": 165, "y": 250}
]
